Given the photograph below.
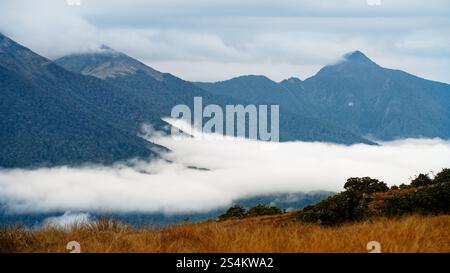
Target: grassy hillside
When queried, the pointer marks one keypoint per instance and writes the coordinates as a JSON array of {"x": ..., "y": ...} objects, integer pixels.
[
  {"x": 261, "y": 234},
  {"x": 365, "y": 198}
]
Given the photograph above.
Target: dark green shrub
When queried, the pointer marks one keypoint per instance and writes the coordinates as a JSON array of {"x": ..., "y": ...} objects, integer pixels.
[
  {"x": 330, "y": 211},
  {"x": 260, "y": 210},
  {"x": 433, "y": 197},
  {"x": 443, "y": 176},
  {"x": 350, "y": 205},
  {"x": 365, "y": 185},
  {"x": 429, "y": 200},
  {"x": 404, "y": 186},
  {"x": 421, "y": 180},
  {"x": 235, "y": 212}
]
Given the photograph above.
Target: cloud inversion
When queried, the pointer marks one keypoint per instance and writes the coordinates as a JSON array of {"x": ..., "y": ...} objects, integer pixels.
[{"x": 206, "y": 172}]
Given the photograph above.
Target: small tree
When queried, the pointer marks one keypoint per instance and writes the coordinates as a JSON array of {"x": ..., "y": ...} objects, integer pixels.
[
  {"x": 421, "y": 180},
  {"x": 443, "y": 176},
  {"x": 235, "y": 212},
  {"x": 365, "y": 185},
  {"x": 357, "y": 194}
]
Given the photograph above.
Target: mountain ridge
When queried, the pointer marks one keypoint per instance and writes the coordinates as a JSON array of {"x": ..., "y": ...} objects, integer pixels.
[
  {"x": 51, "y": 116},
  {"x": 171, "y": 90},
  {"x": 113, "y": 64},
  {"x": 65, "y": 111},
  {"x": 362, "y": 97}
]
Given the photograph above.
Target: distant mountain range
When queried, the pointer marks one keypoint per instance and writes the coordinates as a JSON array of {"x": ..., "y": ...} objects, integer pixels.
[
  {"x": 358, "y": 95},
  {"x": 89, "y": 107},
  {"x": 163, "y": 91}
]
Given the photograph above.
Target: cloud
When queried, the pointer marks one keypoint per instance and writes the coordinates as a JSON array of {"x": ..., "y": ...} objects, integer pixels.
[
  {"x": 68, "y": 220},
  {"x": 50, "y": 28},
  {"x": 224, "y": 38},
  {"x": 205, "y": 172}
]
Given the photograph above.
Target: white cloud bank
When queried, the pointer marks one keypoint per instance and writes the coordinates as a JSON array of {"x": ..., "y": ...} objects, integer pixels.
[{"x": 236, "y": 168}]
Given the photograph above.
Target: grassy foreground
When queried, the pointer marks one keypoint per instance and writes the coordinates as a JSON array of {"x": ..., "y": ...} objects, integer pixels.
[{"x": 262, "y": 234}]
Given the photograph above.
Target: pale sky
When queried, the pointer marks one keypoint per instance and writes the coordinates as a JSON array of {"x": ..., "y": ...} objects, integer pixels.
[{"x": 211, "y": 40}]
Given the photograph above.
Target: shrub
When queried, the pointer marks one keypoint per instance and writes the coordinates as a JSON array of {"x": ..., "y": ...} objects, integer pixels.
[
  {"x": 443, "y": 176},
  {"x": 404, "y": 186},
  {"x": 337, "y": 209},
  {"x": 239, "y": 212},
  {"x": 350, "y": 205},
  {"x": 235, "y": 212},
  {"x": 421, "y": 180},
  {"x": 330, "y": 211},
  {"x": 260, "y": 210},
  {"x": 365, "y": 185},
  {"x": 433, "y": 197},
  {"x": 429, "y": 200}
]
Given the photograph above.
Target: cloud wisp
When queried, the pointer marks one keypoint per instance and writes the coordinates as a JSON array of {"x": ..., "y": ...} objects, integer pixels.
[
  {"x": 68, "y": 220},
  {"x": 204, "y": 173}
]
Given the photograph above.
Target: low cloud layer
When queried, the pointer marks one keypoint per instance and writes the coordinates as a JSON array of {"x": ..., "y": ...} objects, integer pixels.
[{"x": 203, "y": 173}]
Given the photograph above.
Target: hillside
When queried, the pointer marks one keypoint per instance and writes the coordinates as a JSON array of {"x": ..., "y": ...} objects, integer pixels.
[
  {"x": 411, "y": 234},
  {"x": 365, "y": 198},
  {"x": 51, "y": 116}
]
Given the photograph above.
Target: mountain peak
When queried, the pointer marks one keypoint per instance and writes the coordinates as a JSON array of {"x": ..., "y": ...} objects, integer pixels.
[
  {"x": 108, "y": 51},
  {"x": 351, "y": 64},
  {"x": 106, "y": 48},
  {"x": 106, "y": 63},
  {"x": 357, "y": 56},
  {"x": 292, "y": 80},
  {"x": 252, "y": 77}
]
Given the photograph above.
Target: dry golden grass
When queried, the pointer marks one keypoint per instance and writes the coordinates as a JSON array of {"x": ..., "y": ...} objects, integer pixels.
[{"x": 265, "y": 234}]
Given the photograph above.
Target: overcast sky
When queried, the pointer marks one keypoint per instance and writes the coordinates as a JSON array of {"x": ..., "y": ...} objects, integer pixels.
[{"x": 209, "y": 40}]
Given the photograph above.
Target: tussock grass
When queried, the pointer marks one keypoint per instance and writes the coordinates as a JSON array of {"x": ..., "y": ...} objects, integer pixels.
[{"x": 408, "y": 234}]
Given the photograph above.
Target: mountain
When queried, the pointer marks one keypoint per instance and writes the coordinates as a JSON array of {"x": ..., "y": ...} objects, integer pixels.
[
  {"x": 358, "y": 96},
  {"x": 90, "y": 107},
  {"x": 158, "y": 91},
  {"x": 163, "y": 91},
  {"x": 107, "y": 63},
  {"x": 50, "y": 116},
  {"x": 294, "y": 84},
  {"x": 296, "y": 119},
  {"x": 256, "y": 89},
  {"x": 386, "y": 104}
]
